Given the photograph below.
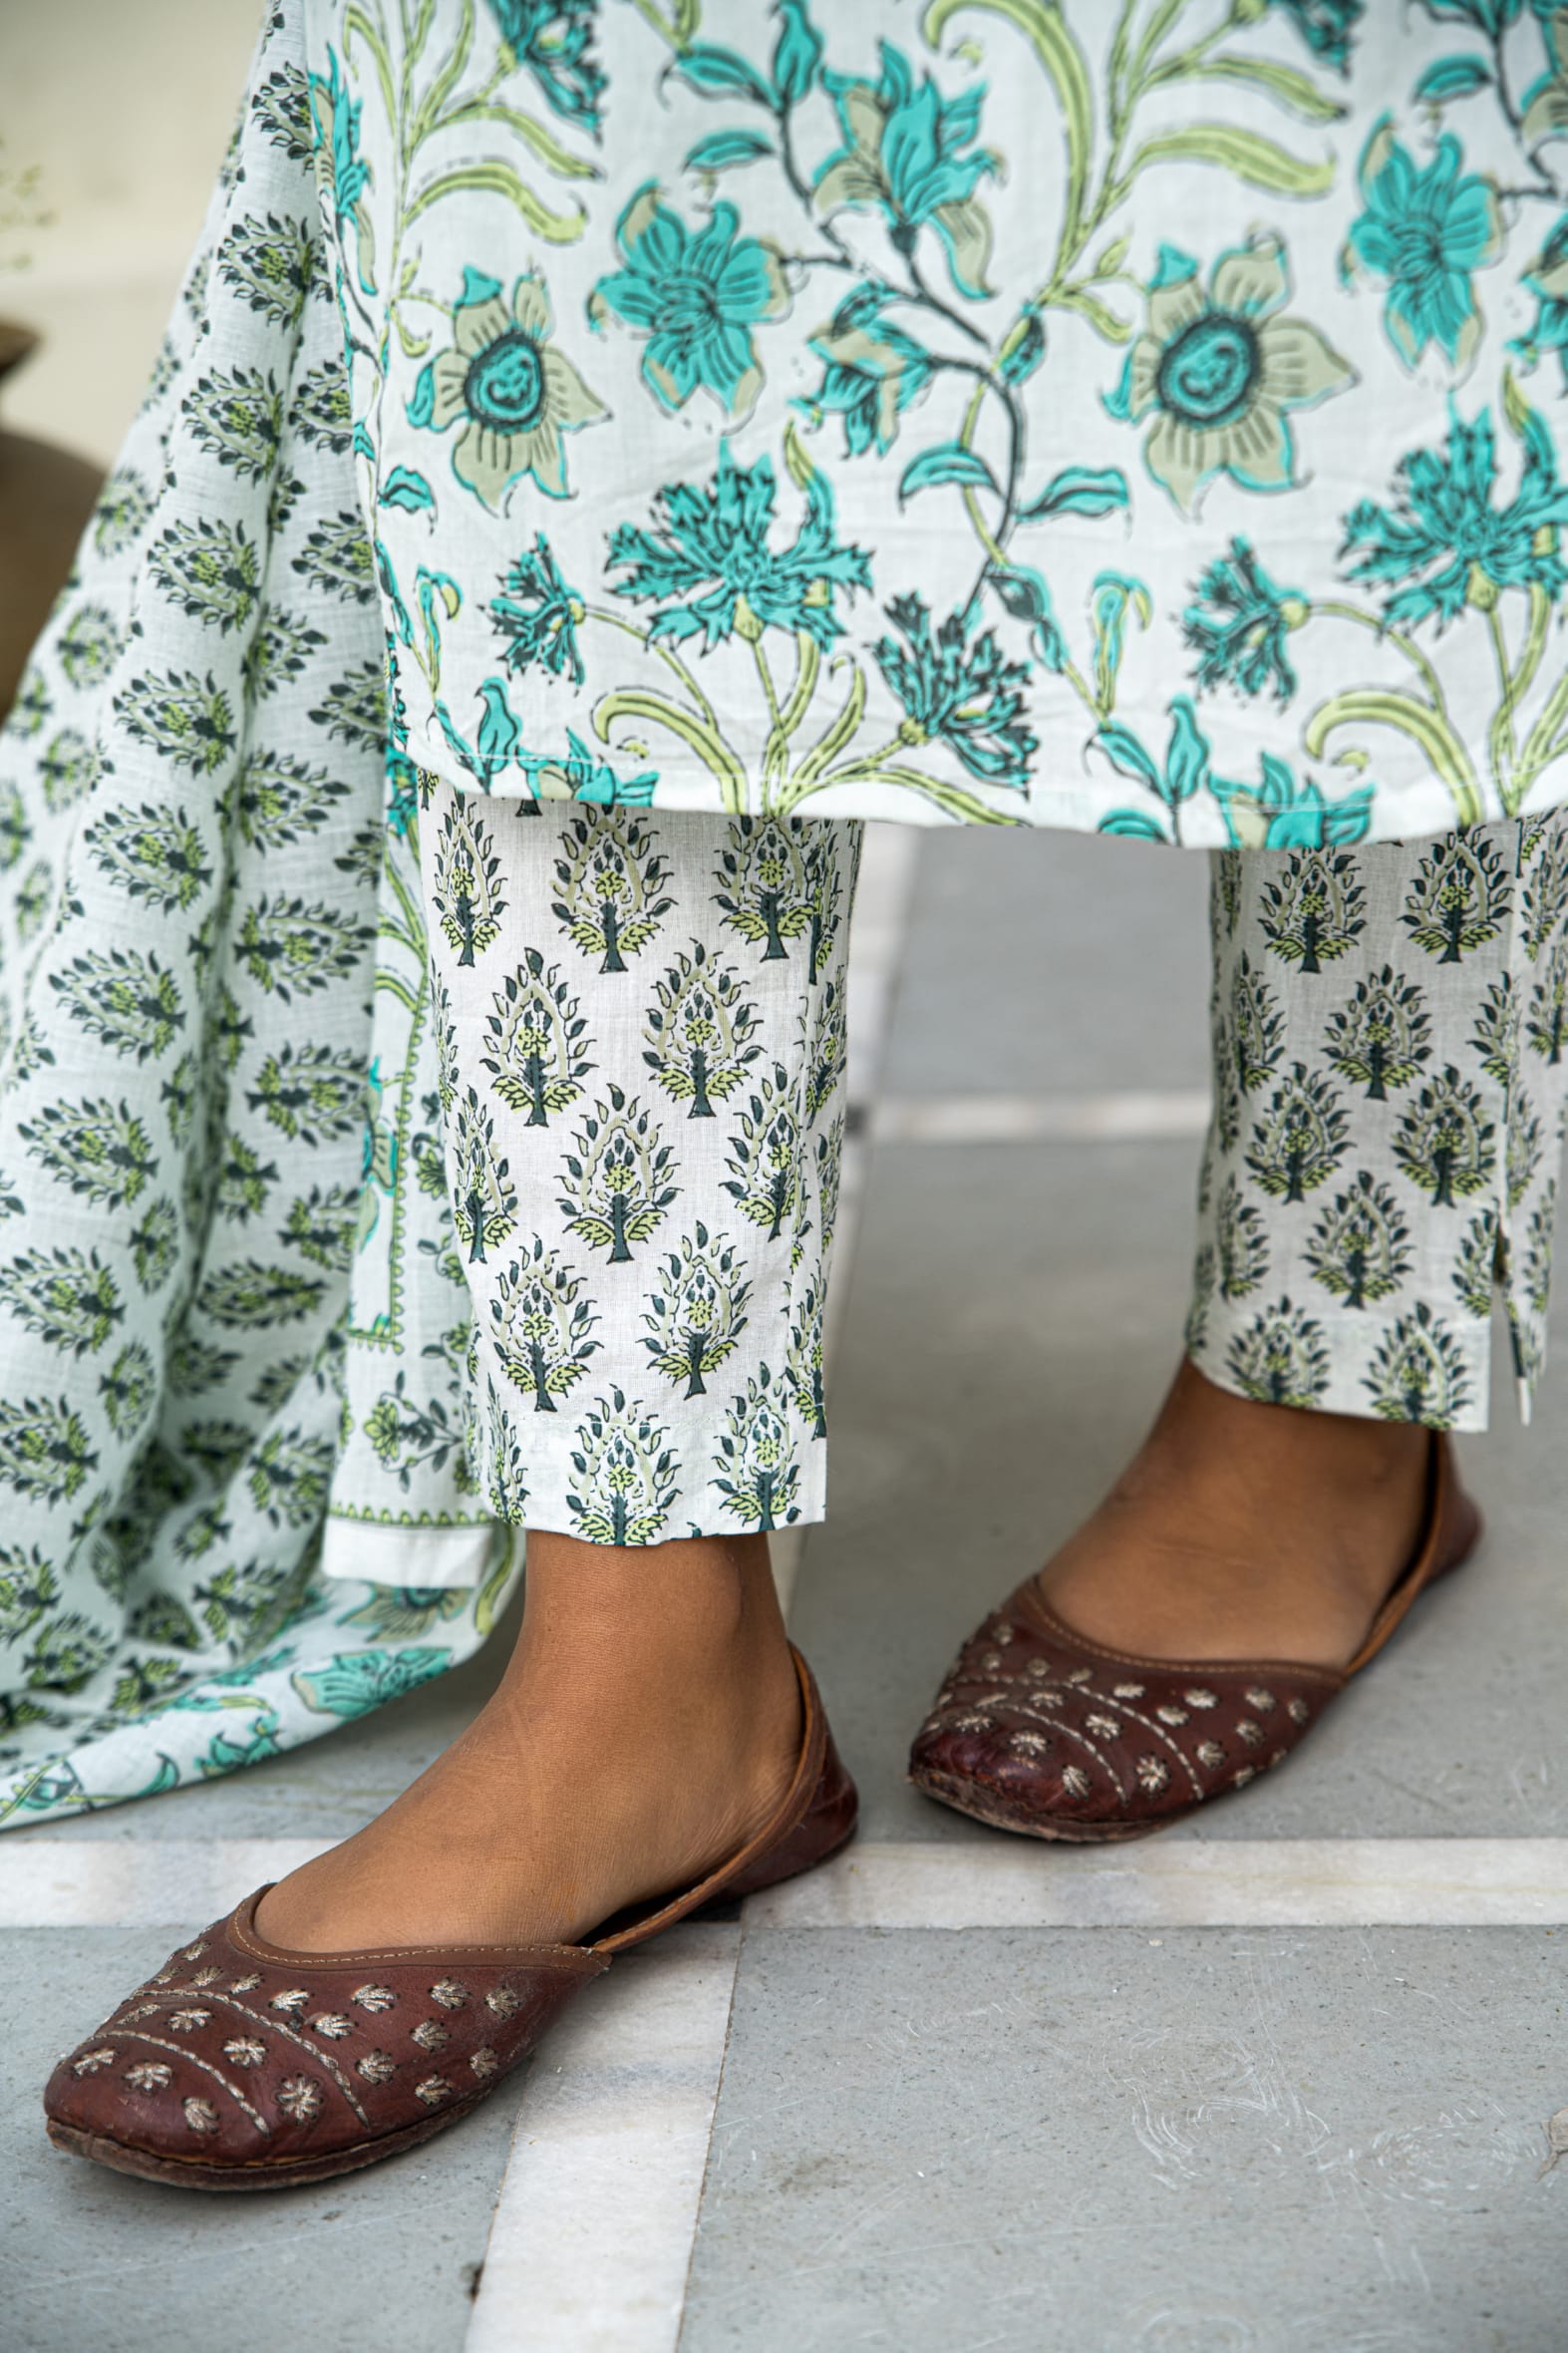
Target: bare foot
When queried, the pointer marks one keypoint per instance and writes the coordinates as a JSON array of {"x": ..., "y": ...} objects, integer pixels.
[
  {"x": 647, "y": 1725},
  {"x": 1245, "y": 1531}
]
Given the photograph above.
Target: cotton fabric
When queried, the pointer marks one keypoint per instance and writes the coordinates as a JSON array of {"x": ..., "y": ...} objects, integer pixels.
[{"x": 1083, "y": 413}]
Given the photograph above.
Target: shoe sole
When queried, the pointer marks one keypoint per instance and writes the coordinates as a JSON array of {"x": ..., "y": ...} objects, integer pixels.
[
  {"x": 122, "y": 2157},
  {"x": 982, "y": 1805}
]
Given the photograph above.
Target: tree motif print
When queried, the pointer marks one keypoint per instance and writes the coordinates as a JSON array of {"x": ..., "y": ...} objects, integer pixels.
[
  {"x": 1316, "y": 912},
  {"x": 44, "y": 1448},
  {"x": 807, "y": 1358},
  {"x": 626, "y": 1474},
  {"x": 698, "y": 1310},
  {"x": 765, "y": 1154},
  {"x": 537, "y": 1040},
  {"x": 1547, "y": 1022},
  {"x": 408, "y": 1436},
  {"x": 1302, "y": 1136},
  {"x": 827, "y": 1048},
  {"x": 127, "y": 1000},
  {"x": 320, "y": 1226},
  {"x": 612, "y": 897},
  {"x": 540, "y": 1325},
  {"x": 1418, "y": 1374},
  {"x": 255, "y": 1293},
  {"x": 467, "y": 890},
  {"x": 66, "y": 1296},
  {"x": 1281, "y": 1358},
  {"x": 279, "y": 799},
  {"x": 830, "y": 1171},
  {"x": 701, "y": 1032},
  {"x": 186, "y": 719},
  {"x": 758, "y": 1477},
  {"x": 1536, "y": 1272},
  {"x": 1383, "y": 1036},
  {"x": 311, "y": 1093},
  {"x": 210, "y": 570},
  {"x": 244, "y": 1180},
  {"x": 764, "y": 888},
  {"x": 152, "y": 854},
  {"x": 483, "y": 1196},
  {"x": 1495, "y": 1037},
  {"x": 1360, "y": 1249},
  {"x": 154, "y": 1243},
  {"x": 508, "y": 1493},
  {"x": 68, "y": 1653},
  {"x": 1256, "y": 1031},
  {"x": 1478, "y": 1264},
  {"x": 1241, "y": 1244},
  {"x": 1445, "y": 1143},
  {"x": 288, "y": 947},
  {"x": 1459, "y": 897},
  {"x": 97, "y": 1149},
  {"x": 1525, "y": 1149},
  {"x": 128, "y": 1390},
  {"x": 1545, "y": 901},
  {"x": 28, "y": 1587},
  {"x": 618, "y": 1178}
]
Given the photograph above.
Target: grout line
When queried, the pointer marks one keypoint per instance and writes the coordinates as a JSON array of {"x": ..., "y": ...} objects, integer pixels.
[
  {"x": 1180, "y": 1882},
  {"x": 1123, "y": 1116},
  {"x": 1183, "y": 1883},
  {"x": 591, "y": 2239}
]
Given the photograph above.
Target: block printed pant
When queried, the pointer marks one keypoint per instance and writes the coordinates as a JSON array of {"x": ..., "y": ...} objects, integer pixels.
[{"x": 642, "y": 1040}]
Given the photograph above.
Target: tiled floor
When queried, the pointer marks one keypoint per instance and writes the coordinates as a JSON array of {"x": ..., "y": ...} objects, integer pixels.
[{"x": 1279, "y": 2081}]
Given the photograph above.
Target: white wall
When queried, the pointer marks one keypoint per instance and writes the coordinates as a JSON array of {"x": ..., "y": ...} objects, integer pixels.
[{"x": 127, "y": 107}]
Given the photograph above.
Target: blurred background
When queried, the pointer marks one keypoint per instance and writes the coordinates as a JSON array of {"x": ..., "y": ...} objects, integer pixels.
[{"x": 113, "y": 121}]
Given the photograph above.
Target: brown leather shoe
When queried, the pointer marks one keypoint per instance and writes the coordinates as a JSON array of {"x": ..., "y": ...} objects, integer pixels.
[
  {"x": 243, "y": 2066},
  {"x": 1039, "y": 1730}
]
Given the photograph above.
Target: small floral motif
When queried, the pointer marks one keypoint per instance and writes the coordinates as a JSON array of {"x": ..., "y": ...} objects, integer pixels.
[
  {"x": 967, "y": 696},
  {"x": 1102, "y": 1727},
  {"x": 204, "y": 1978},
  {"x": 373, "y": 1997},
  {"x": 1209, "y": 1753},
  {"x": 515, "y": 394},
  {"x": 299, "y": 2097},
  {"x": 377, "y": 2067},
  {"x": 1249, "y": 1733},
  {"x": 695, "y": 297},
  {"x": 1426, "y": 233},
  {"x": 432, "y": 2090},
  {"x": 188, "y": 2021},
  {"x": 245, "y": 2051},
  {"x": 1240, "y": 1778},
  {"x": 503, "y": 2001},
  {"x": 431, "y": 2035},
  {"x": 1076, "y": 1782},
  {"x": 200, "y": 2116},
  {"x": 91, "y": 2061},
  {"x": 293, "y": 2002},
  {"x": 331, "y": 2025},
  {"x": 1128, "y": 1690},
  {"x": 1221, "y": 373},
  {"x": 1259, "y": 1700},
  {"x": 1200, "y": 1697},
  {"x": 1031, "y": 1744},
  {"x": 448, "y": 1994},
  {"x": 245, "y": 1984},
  {"x": 1298, "y": 1711},
  {"x": 1153, "y": 1774},
  {"x": 1172, "y": 1715},
  {"x": 484, "y": 2062},
  {"x": 149, "y": 2075},
  {"x": 194, "y": 1952}
]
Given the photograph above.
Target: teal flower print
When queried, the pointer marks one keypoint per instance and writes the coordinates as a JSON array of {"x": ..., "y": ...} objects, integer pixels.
[
  {"x": 904, "y": 156},
  {"x": 1238, "y": 623},
  {"x": 1547, "y": 280},
  {"x": 552, "y": 39},
  {"x": 1327, "y": 26},
  {"x": 709, "y": 563},
  {"x": 695, "y": 297},
  {"x": 1426, "y": 233},
  {"x": 1220, "y": 373},
  {"x": 967, "y": 696},
  {"x": 1281, "y": 814},
  {"x": 583, "y": 776},
  {"x": 538, "y": 615},
  {"x": 1444, "y": 537},
  {"x": 342, "y": 173},
  {"x": 515, "y": 394},
  {"x": 871, "y": 371}
]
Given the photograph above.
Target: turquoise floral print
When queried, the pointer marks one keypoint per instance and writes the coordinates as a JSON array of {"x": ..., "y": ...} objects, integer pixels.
[
  {"x": 838, "y": 428},
  {"x": 1426, "y": 233},
  {"x": 1221, "y": 373},
  {"x": 511, "y": 395},
  {"x": 695, "y": 298}
]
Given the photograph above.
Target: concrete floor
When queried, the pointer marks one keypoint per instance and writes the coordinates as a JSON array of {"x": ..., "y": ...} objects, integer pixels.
[{"x": 1252, "y": 2110}]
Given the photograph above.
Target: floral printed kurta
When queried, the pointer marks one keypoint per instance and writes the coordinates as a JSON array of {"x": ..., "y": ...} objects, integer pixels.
[{"x": 1088, "y": 413}]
